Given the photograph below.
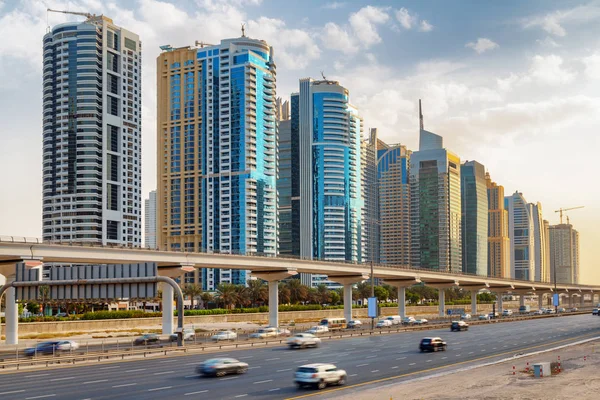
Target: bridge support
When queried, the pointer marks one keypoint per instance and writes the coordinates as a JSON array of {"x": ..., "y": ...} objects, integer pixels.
[
  {"x": 540, "y": 301},
  {"x": 522, "y": 299},
  {"x": 273, "y": 278},
  {"x": 348, "y": 281},
  {"x": 11, "y": 314},
  {"x": 402, "y": 285},
  {"x": 442, "y": 302},
  {"x": 473, "y": 302},
  {"x": 167, "y": 309},
  {"x": 500, "y": 304}
]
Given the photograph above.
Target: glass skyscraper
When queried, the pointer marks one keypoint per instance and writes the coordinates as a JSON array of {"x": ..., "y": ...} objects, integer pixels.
[
  {"x": 521, "y": 233},
  {"x": 91, "y": 130},
  {"x": 217, "y": 152},
  {"x": 498, "y": 240},
  {"x": 370, "y": 189},
  {"x": 474, "y": 218}
]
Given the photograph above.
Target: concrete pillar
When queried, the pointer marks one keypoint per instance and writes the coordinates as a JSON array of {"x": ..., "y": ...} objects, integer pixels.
[
  {"x": 442, "y": 300},
  {"x": 168, "y": 308},
  {"x": 570, "y": 300},
  {"x": 499, "y": 301},
  {"x": 521, "y": 300},
  {"x": 402, "y": 301},
  {"x": 11, "y": 315},
  {"x": 348, "y": 301},
  {"x": 473, "y": 302},
  {"x": 274, "y": 303},
  {"x": 540, "y": 301}
]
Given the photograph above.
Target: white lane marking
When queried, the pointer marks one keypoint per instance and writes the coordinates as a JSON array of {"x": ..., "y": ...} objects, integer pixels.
[
  {"x": 428, "y": 361},
  {"x": 395, "y": 367},
  {"x": 318, "y": 352},
  {"x": 273, "y": 390},
  {"x": 241, "y": 395},
  {"x": 191, "y": 376},
  {"x": 370, "y": 356},
  {"x": 443, "y": 358},
  {"x": 412, "y": 364},
  {"x": 40, "y": 397},
  {"x": 259, "y": 382},
  {"x": 482, "y": 349},
  {"x": 35, "y": 376},
  {"x": 13, "y": 391},
  {"x": 160, "y": 388},
  {"x": 113, "y": 367},
  {"x": 299, "y": 361},
  {"x": 375, "y": 370},
  {"x": 458, "y": 348},
  {"x": 362, "y": 365},
  {"x": 272, "y": 359},
  {"x": 493, "y": 348},
  {"x": 228, "y": 379},
  {"x": 163, "y": 373},
  {"x": 90, "y": 382},
  {"x": 258, "y": 366},
  {"x": 62, "y": 379},
  {"x": 124, "y": 385},
  {"x": 168, "y": 361},
  {"x": 470, "y": 352},
  {"x": 352, "y": 375},
  {"x": 191, "y": 393},
  {"x": 400, "y": 358},
  {"x": 283, "y": 370},
  {"x": 136, "y": 370},
  {"x": 242, "y": 358},
  {"x": 194, "y": 363}
]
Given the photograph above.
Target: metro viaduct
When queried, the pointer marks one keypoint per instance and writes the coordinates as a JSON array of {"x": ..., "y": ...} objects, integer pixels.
[{"x": 270, "y": 269}]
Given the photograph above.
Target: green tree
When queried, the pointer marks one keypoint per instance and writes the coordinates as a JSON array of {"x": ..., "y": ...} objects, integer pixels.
[
  {"x": 227, "y": 294},
  {"x": 335, "y": 297},
  {"x": 392, "y": 291},
  {"x": 33, "y": 307},
  {"x": 364, "y": 290},
  {"x": 381, "y": 293},
  {"x": 193, "y": 291},
  {"x": 284, "y": 293},
  {"x": 44, "y": 295},
  {"x": 206, "y": 298},
  {"x": 258, "y": 291},
  {"x": 244, "y": 298},
  {"x": 412, "y": 297},
  {"x": 323, "y": 294},
  {"x": 298, "y": 291},
  {"x": 486, "y": 297}
]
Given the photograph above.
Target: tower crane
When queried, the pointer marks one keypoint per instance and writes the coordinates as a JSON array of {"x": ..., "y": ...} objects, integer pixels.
[
  {"x": 83, "y": 14},
  {"x": 561, "y": 210}
]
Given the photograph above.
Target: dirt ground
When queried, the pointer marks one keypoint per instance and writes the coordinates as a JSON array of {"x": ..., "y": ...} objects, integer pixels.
[{"x": 579, "y": 379}]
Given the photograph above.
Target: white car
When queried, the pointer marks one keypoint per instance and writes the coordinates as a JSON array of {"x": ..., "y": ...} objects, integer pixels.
[
  {"x": 383, "y": 323},
  {"x": 507, "y": 313},
  {"x": 224, "y": 335},
  {"x": 264, "y": 333},
  {"x": 188, "y": 334},
  {"x": 465, "y": 316},
  {"x": 303, "y": 340},
  {"x": 67, "y": 345},
  {"x": 319, "y": 376},
  {"x": 485, "y": 317},
  {"x": 421, "y": 321},
  {"x": 408, "y": 320},
  {"x": 318, "y": 329},
  {"x": 355, "y": 323},
  {"x": 538, "y": 312}
]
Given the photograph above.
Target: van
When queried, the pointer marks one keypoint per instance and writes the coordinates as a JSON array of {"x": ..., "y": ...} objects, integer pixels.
[
  {"x": 333, "y": 323},
  {"x": 524, "y": 309},
  {"x": 395, "y": 319}
]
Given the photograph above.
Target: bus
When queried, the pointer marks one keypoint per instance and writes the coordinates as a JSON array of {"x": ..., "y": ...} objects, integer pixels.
[{"x": 333, "y": 323}]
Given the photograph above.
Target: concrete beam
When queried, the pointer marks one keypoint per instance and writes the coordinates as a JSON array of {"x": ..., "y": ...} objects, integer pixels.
[
  {"x": 402, "y": 283},
  {"x": 270, "y": 276}
]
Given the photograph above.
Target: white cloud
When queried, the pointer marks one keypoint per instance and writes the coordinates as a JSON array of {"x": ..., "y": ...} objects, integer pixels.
[
  {"x": 335, "y": 37},
  {"x": 549, "y": 70},
  {"x": 554, "y": 22},
  {"x": 482, "y": 45},
  {"x": 334, "y": 5},
  {"x": 547, "y": 42},
  {"x": 406, "y": 19},
  {"x": 425, "y": 26},
  {"x": 364, "y": 22},
  {"x": 592, "y": 66}
]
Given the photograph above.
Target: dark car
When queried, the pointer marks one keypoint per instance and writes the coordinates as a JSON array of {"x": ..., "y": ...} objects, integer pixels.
[
  {"x": 432, "y": 344},
  {"x": 42, "y": 348},
  {"x": 222, "y": 367},
  {"x": 147, "y": 339},
  {"x": 459, "y": 326}
]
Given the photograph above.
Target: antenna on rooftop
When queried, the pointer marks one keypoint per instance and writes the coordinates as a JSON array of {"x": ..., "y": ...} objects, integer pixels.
[
  {"x": 243, "y": 30},
  {"x": 323, "y": 75}
]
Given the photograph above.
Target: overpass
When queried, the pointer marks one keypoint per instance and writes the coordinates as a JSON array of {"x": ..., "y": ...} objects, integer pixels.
[{"x": 273, "y": 269}]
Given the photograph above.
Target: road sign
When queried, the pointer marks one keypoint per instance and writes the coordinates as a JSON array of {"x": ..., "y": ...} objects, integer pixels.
[
  {"x": 555, "y": 299},
  {"x": 372, "y": 307}
]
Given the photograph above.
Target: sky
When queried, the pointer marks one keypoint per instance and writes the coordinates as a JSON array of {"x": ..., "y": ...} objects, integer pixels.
[{"x": 514, "y": 85}]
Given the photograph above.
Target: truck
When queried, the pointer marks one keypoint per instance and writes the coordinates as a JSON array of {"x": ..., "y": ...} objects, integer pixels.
[{"x": 524, "y": 309}]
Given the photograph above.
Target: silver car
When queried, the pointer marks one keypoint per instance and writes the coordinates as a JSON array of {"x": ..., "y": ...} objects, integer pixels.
[
  {"x": 319, "y": 376},
  {"x": 222, "y": 367}
]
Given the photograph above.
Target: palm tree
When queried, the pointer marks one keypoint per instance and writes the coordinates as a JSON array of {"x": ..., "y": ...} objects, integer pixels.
[
  {"x": 227, "y": 294},
  {"x": 323, "y": 294},
  {"x": 298, "y": 291},
  {"x": 364, "y": 290},
  {"x": 44, "y": 295},
  {"x": 206, "y": 298},
  {"x": 243, "y": 295},
  {"x": 258, "y": 291},
  {"x": 284, "y": 293},
  {"x": 193, "y": 291}
]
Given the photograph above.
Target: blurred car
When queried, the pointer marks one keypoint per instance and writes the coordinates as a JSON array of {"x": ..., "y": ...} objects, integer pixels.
[
  {"x": 67, "y": 345},
  {"x": 574, "y": 309},
  {"x": 283, "y": 332},
  {"x": 264, "y": 333},
  {"x": 315, "y": 330},
  {"x": 595, "y": 311},
  {"x": 494, "y": 315},
  {"x": 383, "y": 323},
  {"x": 459, "y": 326},
  {"x": 222, "y": 367},
  {"x": 538, "y": 312},
  {"x": 51, "y": 347},
  {"x": 408, "y": 320},
  {"x": 550, "y": 311},
  {"x": 355, "y": 323},
  {"x": 465, "y": 316},
  {"x": 303, "y": 340},
  {"x": 484, "y": 317},
  {"x": 147, "y": 339},
  {"x": 396, "y": 319},
  {"x": 188, "y": 334},
  {"x": 507, "y": 313},
  {"x": 562, "y": 309},
  {"x": 432, "y": 344},
  {"x": 319, "y": 376},
  {"x": 421, "y": 321},
  {"x": 224, "y": 335}
]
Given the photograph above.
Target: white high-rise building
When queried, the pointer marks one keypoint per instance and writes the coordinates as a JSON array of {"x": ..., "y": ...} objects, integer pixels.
[
  {"x": 542, "y": 263},
  {"x": 150, "y": 221},
  {"x": 522, "y": 240},
  {"x": 564, "y": 253},
  {"x": 91, "y": 132}
]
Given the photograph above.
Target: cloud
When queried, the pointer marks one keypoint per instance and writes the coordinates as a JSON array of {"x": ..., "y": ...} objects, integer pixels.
[
  {"x": 482, "y": 45},
  {"x": 406, "y": 19},
  {"x": 592, "y": 66},
  {"x": 335, "y": 37},
  {"x": 425, "y": 26},
  {"x": 361, "y": 32},
  {"x": 334, "y": 5},
  {"x": 549, "y": 70},
  {"x": 548, "y": 42},
  {"x": 554, "y": 22}
]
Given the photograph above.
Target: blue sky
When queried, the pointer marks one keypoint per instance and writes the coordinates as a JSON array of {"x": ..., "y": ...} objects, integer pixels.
[{"x": 514, "y": 85}]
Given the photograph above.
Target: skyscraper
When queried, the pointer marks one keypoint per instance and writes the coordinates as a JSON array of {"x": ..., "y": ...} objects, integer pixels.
[
  {"x": 564, "y": 253},
  {"x": 498, "y": 240},
  {"x": 217, "y": 151},
  {"x": 394, "y": 203},
  {"x": 327, "y": 202},
  {"x": 150, "y": 221},
  {"x": 522, "y": 239},
  {"x": 370, "y": 192},
  {"x": 435, "y": 201},
  {"x": 542, "y": 263},
  {"x": 474, "y": 218},
  {"x": 284, "y": 188},
  {"x": 91, "y": 131}
]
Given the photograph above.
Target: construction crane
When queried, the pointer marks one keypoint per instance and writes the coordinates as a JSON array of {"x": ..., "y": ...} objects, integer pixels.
[
  {"x": 83, "y": 14},
  {"x": 561, "y": 210}
]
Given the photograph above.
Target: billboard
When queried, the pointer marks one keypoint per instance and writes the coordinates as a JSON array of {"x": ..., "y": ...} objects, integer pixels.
[{"x": 372, "y": 310}]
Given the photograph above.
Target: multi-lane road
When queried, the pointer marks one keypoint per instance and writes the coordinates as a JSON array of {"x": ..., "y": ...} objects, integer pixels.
[{"x": 270, "y": 376}]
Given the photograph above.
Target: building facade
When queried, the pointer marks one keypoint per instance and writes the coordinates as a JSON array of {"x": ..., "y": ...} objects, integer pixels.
[
  {"x": 498, "y": 240},
  {"x": 370, "y": 192},
  {"x": 284, "y": 188},
  {"x": 474, "y": 218},
  {"x": 393, "y": 166},
  {"x": 217, "y": 152},
  {"x": 150, "y": 221},
  {"x": 435, "y": 205},
  {"x": 542, "y": 263},
  {"x": 522, "y": 240},
  {"x": 91, "y": 134},
  {"x": 564, "y": 254}
]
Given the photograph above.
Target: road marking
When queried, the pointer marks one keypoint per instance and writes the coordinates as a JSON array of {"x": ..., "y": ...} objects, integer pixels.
[
  {"x": 191, "y": 393},
  {"x": 362, "y": 365},
  {"x": 258, "y": 366},
  {"x": 62, "y": 379},
  {"x": 272, "y": 359},
  {"x": 273, "y": 390},
  {"x": 443, "y": 358},
  {"x": 412, "y": 364},
  {"x": 283, "y": 370},
  {"x": 493, "y": 348},
  {"x": 259, "y": 382},
  {"x": 14, "y": 391},
  {"x": 116, "y": 366},
  {"x": 90, "y": 382},
  {"x": 40, "y": 397},
  {"x": 242, "y": 395},
  {"x": 471, "y": 352},
  {"x": 400, "y": 358},
  {"x": 375, "y": 370},
  {"x": 428, "y": 361},
  {"x": 168, "y": 361},
  {"x": 195, "y": 363},
  {"x": 163, "y": 373},
  {"x": 160, "y": 388},
  {"x": 318, "y": 352},
  {"x": 136, "y": 370},
  {"x": 35, "y": 376},
  {"x": 395, "y": 367},
  {"x": 370, "y": 356},
  {"x": 242, "y": 358},
  {"x": 191, "y": 376},
  {"x": 228, "y": 379},
  {"x": 482, "y": 350},
  {"x": 125, "y": 384},
  {"x": 353, "y": 375},
  {"x": 299, "y": 361}
]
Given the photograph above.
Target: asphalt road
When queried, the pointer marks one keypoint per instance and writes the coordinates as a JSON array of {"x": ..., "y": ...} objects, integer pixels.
[{"x": 271, "y": 369}]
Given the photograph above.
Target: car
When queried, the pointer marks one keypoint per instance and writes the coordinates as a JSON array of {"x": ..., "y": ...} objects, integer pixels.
[
  {"x": 459, "y": 326},
  {"x": 484, "y": 317},
  {"x": 408, "y": 320},
  {"x": 51, "y": 347},
  {"x": 264, "y": 333},
  {"x": 538, "y": 312},
  {"x": 67, "y": 345},
  {"x": 315, "y": 330},
  {"x": 303, "y": 340},
  {"x": 465, "y": 316},
  {"x": 550, "y": 311},
  {"x": 494, "y": 315},
  {"x": 355, "y": 323},
  {"x": 319, "y": 376},
  {"x": 224, "y": 335},
  {"x": 574, "y": 309},
  {"x": 562, "y": 309},
  {"x": 188, "y": 334},
  {"x": 595, "y": 311},
  {"x": 432, "y": 344},
  {"x": 421, "y": 321},
  {"x": 382, "y": 323},
  {"x": 221, "y": 367},
  {"x": 283, "y": 332},
  {"x": 147, "y": 339},
  {"x": 507, "y": 313},
  {"x": 396, "y": 319}
]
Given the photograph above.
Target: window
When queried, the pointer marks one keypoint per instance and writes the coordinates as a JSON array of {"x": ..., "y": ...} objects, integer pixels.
[
  {"x": 112, "y": 230},
  {"x": 113, "y": 105},
  {"x": 130, "y": 44},
  {"x": 113, "y": 194},
  {"x": 113, "y": 84}
]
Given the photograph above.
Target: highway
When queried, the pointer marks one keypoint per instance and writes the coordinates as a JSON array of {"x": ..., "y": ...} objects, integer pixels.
[{"x": 271, "y": 370}]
